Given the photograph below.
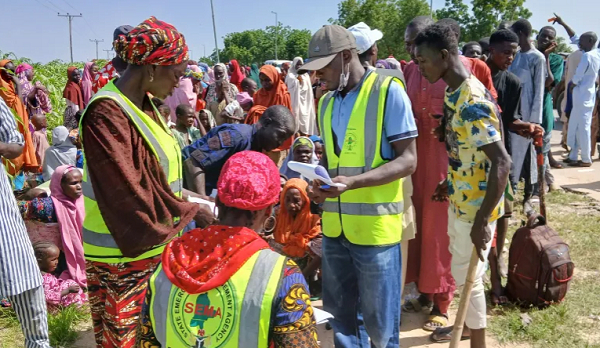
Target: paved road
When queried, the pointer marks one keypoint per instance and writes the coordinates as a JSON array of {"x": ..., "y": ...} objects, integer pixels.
[{"x": 585, "y": 180}]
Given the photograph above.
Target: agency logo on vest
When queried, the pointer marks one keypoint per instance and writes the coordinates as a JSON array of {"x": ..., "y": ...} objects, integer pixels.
[
  {"x": 350, "y": 141},
  {"x": 204, "y": 320}
]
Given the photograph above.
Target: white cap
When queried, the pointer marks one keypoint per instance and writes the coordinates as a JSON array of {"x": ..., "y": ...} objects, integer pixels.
[{"x": 365, "y": 37}]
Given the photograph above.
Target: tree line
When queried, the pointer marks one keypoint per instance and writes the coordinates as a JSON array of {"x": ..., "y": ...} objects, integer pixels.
[{"x": 390, "y": 16}]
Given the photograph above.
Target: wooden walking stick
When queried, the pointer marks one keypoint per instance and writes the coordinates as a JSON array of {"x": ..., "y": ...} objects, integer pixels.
[{"x": 459, "y": 322}]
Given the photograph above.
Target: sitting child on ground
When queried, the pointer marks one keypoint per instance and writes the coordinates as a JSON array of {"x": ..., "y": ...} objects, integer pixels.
[
  {"x": 59, "y": 292},
  {"x": 298, "y": 231}
]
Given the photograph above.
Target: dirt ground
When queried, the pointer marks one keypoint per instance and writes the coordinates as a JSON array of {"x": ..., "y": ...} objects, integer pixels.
[{"x": 411, "y": 334}]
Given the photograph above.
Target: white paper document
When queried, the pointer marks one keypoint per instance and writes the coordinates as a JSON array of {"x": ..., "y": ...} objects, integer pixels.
[
  {"x": 321, "y": 317},
  {"x": 313, "y": 172}
]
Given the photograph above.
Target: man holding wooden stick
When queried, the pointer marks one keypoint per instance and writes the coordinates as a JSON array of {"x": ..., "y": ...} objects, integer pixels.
[{"x": 478, "y": 168}]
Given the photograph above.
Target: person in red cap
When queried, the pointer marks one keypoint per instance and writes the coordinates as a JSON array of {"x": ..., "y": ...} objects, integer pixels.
[{"x": 223, "y": 283}]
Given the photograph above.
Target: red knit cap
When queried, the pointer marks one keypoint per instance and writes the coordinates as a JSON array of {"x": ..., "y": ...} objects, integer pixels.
[{"x": 249, "y": 181}]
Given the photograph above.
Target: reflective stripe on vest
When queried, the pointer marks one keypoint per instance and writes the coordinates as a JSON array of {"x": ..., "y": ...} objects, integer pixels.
[
  {"x": 367, "y": 216},
  {"x": 252, "y": 289},
  {"x": 99, "y": 245}
]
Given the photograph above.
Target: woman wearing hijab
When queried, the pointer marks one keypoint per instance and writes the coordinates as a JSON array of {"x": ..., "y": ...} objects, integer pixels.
[
  {"x": 220, "y": 93},
  {"x": 236, "y": 74},
  {"x": 301, "y": 93},
  {"x": 35, "y": 96},
  {"x": 303, "y": 151},
  {"x": 134, "y": 199},
  {"x": 87, "y": 81},
  {"x": 182, "y": 94},
  {"x": 62, "y": 152},
  {"x": 74, "y": 98},
  {"x": 273, "y": 92},
  {"x": 10, "y": 91},
  {"x": 65, "y": 207},
  {"x": 297, "y": 230},
  {"x": 254, "y": 74}
]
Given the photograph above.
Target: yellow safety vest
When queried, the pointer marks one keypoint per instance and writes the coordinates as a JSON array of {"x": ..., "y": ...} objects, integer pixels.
[
  {"x": 371, "y": 215},
  {"x": 98, "y": 243},
  {"x": 236, "y": 314}
]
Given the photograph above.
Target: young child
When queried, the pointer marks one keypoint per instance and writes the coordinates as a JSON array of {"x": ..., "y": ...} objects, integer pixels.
[
  {"x": 184, "y": 130},
  {"x": 165, "y": 112},
  {"x": 207, "y": 120},
  {"x": 40, "y": 140},
  {"x": 298, "y": 231},
  {"x": 318, "y": 146},
  {"x": 59, "y": 292}
]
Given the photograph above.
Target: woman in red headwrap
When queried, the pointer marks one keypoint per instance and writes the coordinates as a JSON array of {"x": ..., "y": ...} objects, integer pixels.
[
  {"x": 74, "y": 97},
  {"x": 132, "y": 185},
  {"x": 273, "y": 92},
  {"x": 237, "y": 75},
  {"x": 271, "y": 297}
]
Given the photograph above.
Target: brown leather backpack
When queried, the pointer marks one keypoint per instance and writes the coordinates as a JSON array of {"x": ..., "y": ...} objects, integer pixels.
[{"x": 539, "y": 266}]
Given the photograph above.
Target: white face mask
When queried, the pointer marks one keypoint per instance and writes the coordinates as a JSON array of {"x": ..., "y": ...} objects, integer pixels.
[{"x": 344, "y": 77}]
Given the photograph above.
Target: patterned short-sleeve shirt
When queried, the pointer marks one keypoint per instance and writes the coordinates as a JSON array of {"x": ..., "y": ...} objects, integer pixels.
[{"x": 472, "y": 121}]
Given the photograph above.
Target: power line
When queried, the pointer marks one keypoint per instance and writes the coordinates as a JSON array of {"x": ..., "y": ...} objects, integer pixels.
[
  {"x": 56, "y": 7},
  {"x": 97, "y": 42},
  {"x": 46, "y": 6},
  {"x": 70, "y": 16},
  {"x": 65, "y": 1}
]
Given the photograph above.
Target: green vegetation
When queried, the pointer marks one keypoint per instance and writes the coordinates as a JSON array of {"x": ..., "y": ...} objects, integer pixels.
[
  {"x": 389, "y": 16},
  {"x": 62, "y": 326},
  {"x": 572, "y": 323},
  {"x": 53, "y": 76}
]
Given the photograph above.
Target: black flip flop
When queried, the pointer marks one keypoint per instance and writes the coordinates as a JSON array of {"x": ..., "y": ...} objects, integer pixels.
[{"x": 462, "y": 338}]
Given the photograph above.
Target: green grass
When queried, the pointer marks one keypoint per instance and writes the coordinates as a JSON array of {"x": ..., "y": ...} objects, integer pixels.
[
  {"x": 576, "y": 218},
  {"x": 61, "y": 327}
]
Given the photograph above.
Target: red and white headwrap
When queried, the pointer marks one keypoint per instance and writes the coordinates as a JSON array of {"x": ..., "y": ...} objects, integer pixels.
[
  {"x": 152, "y": 42},
  {"x": 249, "y": 181}
]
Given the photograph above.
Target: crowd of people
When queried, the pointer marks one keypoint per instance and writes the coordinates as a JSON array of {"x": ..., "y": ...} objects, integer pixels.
[{"x": 177, "y": 217}]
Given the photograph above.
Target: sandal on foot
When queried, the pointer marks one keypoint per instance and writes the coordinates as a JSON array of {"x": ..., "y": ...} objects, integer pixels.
[
  {"x": 413, "y": 305},
  {"x": 435, "y": 322},
  {"x": 499, "y": 300},
  {"x": 444, "y": 335}
]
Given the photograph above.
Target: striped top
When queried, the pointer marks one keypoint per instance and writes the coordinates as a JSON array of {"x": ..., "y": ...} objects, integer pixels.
[{"x": 19, "y": 271}]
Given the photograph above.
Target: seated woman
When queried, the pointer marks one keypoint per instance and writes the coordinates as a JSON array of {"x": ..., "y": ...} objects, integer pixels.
[
  {"x": 225, "y": 273},
  {"x": 303, "y": 151},
  {"x": 62, "y": 152},
  {"x": 59, "y": 291},
  {"x": 298, "y": 231},
  {"x": 65, "y": 206}
]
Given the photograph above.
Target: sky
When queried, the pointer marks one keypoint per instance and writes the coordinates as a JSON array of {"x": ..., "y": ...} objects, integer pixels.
[{"x": 43, "y": 36}]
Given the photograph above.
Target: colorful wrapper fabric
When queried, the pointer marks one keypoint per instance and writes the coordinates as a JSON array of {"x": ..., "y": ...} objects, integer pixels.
[{"x": 152, "y": 42}]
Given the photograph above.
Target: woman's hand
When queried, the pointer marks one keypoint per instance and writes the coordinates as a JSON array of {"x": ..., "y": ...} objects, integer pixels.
[{"x": 73, "y": 289}]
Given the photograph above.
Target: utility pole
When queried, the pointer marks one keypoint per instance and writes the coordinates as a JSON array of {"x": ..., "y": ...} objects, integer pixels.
[
  {"x": 107, "y": 57},
  {"x": 276, "y": 32},
  {"x": 70, "y": 16},
  {"x": 96, "y": 41},
  {"x": 212, "y": 9},
  {"x": 431, "y": 9}
]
